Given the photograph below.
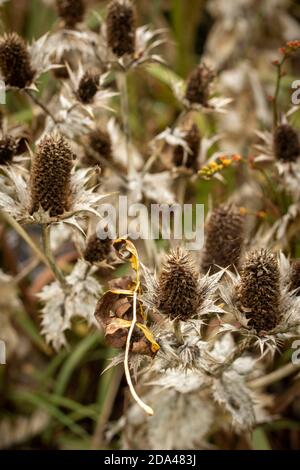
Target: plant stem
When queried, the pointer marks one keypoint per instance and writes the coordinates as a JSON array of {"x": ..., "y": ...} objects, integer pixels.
[
  {"x": 177, "y": 331},
  {"x": 277, "y": 90},
  {"x": 125, "y": 120},
  {"x": 41, "y": 105},
  {"x": 275, "y": 376},
  {"x": 23, "y": 234},
  {"x": 51, "y": 261}
]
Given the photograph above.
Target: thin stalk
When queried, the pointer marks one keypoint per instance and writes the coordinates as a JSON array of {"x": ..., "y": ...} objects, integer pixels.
[
  {"x": 275, "y": 376},
  {"x": 277, "y": 90},
  {"x": 125, "y": 120},
  {"x": 23, "y": 234},
  {"x": 41, "y": 105},
  {"x": 177, "y": 331},
  {"x": 49, "y": 255},
  {"x": 139, "y": 401}
]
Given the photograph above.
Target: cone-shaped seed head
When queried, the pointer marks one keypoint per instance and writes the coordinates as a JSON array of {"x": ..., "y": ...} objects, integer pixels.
[
  {"x": 88, "y": 87},
  {"x": 51, "y": 176},
  {"x": 224, "y": 237},
  {"x": 71, "y": 11},
  {"x": 121, "y": 27},
  {"x": 258, "y": 293},
  {"x": 193, "y": 140},
  {"x": 15, "y": 62},
  {"x": 8, "y": 148},
  {"x": 178, "y": 292},
  {"x": 198, "y": 85},
  {"x": 286, "y": 143},
  {"x": 97, "y": 250}
]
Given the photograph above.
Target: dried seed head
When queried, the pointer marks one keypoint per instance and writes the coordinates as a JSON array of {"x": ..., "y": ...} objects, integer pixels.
[
  {"x": 97, "y": 250},
  {"x": 258, "y": 293},
  {"x": 193, "y": 140},
  {"x": 71, "y": 11},
  {"x": 88, "y": 87},
  {"x": 295, "y": 277},
  {"x": 198, "y": 85},
  {"x": 286, "y": 143},
  {"x": 121, "y": 27},
  {"x": 178, "y": 292},
  {"x": 50, "y": 176},
  {"x": 8, "y": 149},
  {"x": 15, "y": 62},
  {"x": 100, "y": 142},
  {"x": 224, "y": 237}
]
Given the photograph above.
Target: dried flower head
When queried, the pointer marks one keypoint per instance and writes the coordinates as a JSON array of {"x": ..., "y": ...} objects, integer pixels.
[
  {"x": 71, "y": 11},
  {"x": 198, "y": 85},
  {"x": 258, "y": 292},
  {"x": 178, "y": 289},
  {"x": 121, "y": 27},
  {"x": 224, "y": 239},
  {"x": 96, "y": 249},
  {"x": 8, "y": 149},
  {"x": 100, "y": 142},
  {"x": 50, "y": 176},
  {"x": 286, "y": 143},
  {"x": 295, "y": 277},
  {"x": 15, "y": 63},
  {"x": 188, "y": 159},
  {"x": 88, "y": 87}
]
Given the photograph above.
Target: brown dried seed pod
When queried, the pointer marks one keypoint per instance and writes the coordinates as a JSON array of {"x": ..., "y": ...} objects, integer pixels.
[
  {"x": 258, "y": 293},
  {"x": 15, "y": 61},
  {"x": 88, "y": 87},
  {"x": 286, "y": 143},
  {"x": 121, "y": 27},
  {"x": 8, "y": 149},
  {"x": 100, "y": 142},
  {"x": 178, "y": 293},
  {"x": 97, "y": 250},
  {"x": 295, "y": 277},
  {"x": 198, "y": 85},
  {"x": 193, "y": 139},
  {"x": 51, "y": 176},
  {"x": 71, "y": 11},
  {"x": 224, "y": 238}
]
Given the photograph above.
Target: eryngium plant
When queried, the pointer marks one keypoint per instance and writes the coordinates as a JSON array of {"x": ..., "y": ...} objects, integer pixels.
[
  {"x": 96, "y": 249},
  {"x": 188, "y": 159},
  {"x": 88, "y": 87},
  {"x": 71, "y": 11},
  {"x": 121, "y": 27},
  {"x": 15, "y": 63},
  {"x": 8, "y": 148},
  {"x": 258, "y": 293},
  {"x": 51, "y": 176},
  {"x": 198, "y": 85},
  {"x": 286, "y": 143},
  {"x": 295, "y": 277},
  {"x": 224, "y": 239}
]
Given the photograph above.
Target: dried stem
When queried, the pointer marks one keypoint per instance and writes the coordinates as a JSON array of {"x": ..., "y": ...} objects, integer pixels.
[
  {"x": 139, "y": 401},
  {"x": 41, "y": 105},
  {"x": 51, "y": 261},
  {"x": 275, "y": 376},
  {"x": 177, "y": 331},
  {"x": 125, "y": 120},
  {"x": 277, "y": 90}
]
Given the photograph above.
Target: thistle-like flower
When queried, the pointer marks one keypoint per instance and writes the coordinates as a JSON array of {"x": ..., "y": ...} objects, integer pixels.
[
  {"x": 121, "y": 27},
  {"x": 224, "y": 239},
  {"x": 295, "y": 277},
  {"x": 286, "y": 143},
  {"x": 96, "y": 249},
  {"x": 99, "y": 142},
  {"x": 199, "y": 85},
  {"x": 189, "y": 159},
  {"x": 51, "y": 177},
  {"x": 261, "y": 301},
  {"x": 88, "y": 87},
  {"x": 21, "y": 64},
  {"x": 71, "y": 11},
  {"x": 8, "y": 149},
  {"x": 15, "y": 61}
]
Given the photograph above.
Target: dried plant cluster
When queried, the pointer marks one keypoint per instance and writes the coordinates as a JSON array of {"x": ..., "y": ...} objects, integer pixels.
[{"x": 99, "y": 107}]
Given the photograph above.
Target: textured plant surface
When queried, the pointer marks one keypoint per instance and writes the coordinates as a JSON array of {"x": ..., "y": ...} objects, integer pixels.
[{"x": 163, "y": 102}]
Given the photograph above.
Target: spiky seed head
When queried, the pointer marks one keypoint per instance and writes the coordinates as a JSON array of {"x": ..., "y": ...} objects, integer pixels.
[
  {"x": 71, "y": 11},
  {"x": 88, "y": 87},
  {"x": 258, "y": 292},
  {"x": 198, "y": 84},
  {"x": 100, "y": 142},
  {"x": 96, "y": 249},
  {"x": 50, "y": 176},
  {"x": 295, "y": 277},
  {"x": 178, "y": 292},
  {"x": 224, "y": 238},
  {"x": 286, "y": 143},
  {"x": 15, "y": 61},
  {"x": 193, "y": 140},
  {"x": 8, "y": 149},
  {"x": 121, "y": 27}
]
